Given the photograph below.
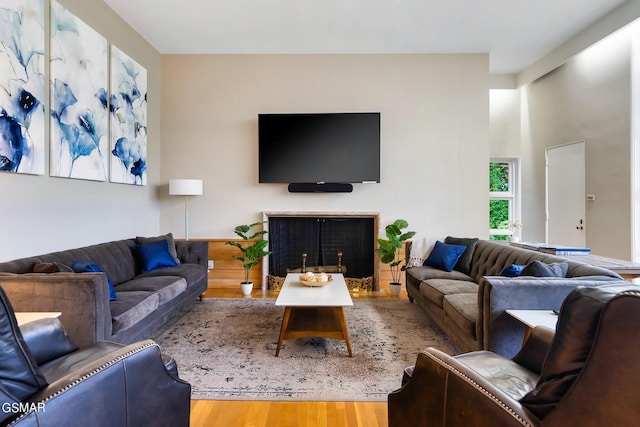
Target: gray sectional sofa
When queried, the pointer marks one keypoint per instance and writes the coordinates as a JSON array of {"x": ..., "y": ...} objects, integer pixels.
[
  {"x": 469, "y": 303},
  {"x": 144, "y": 300}
]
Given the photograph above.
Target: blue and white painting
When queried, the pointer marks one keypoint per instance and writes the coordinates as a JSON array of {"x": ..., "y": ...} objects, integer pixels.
[
  {"x": 79, "y": 99},
  {"x": 128, "y": 119},
  {"x": 22, "y": 86}
]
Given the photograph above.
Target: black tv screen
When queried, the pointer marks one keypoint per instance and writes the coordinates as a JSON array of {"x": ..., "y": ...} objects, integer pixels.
[{"x": 319, "y": 148}]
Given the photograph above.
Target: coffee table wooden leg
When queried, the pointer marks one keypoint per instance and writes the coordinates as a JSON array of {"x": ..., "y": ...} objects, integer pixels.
[
  {"x": 283, "y": 328},
  {"x": 345, "y": 331}
]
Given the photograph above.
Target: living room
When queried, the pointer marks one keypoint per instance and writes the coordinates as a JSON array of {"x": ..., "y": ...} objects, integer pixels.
[
  {"x": 443, "y": 117},
  {"x": 438, "y": 108}
]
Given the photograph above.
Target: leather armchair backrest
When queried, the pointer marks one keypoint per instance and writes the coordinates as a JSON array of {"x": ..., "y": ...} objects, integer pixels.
[
  {"x": 19, "y": 373},
  {"x": 576, "y": 332},
  {"x": 605, "y": 393}
]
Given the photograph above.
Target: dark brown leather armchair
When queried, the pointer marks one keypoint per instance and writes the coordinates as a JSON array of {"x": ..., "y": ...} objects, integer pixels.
[
  {"x": 586, "y": 374},
  {"x": 45, "y": 380}
]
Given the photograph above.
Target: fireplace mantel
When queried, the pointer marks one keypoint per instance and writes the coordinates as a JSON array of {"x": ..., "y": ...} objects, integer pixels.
[{"x": 325, "y": 214}]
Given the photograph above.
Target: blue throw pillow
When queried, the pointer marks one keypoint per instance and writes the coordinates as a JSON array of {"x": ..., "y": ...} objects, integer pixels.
[
  {"x": 512, "y": 270},
  {"x": 154, "y": 255},
  {"x": 444, "y": 256},
  {"x": 89, "y": 267}
]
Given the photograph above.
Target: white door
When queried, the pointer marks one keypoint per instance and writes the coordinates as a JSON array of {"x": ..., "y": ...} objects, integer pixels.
[{"x": 566, "y": 195}]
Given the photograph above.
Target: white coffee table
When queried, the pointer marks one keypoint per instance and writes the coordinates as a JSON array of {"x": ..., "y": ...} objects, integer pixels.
[
  {"x": 23, "y": 317},
  {"x": 314, "y": 311}
]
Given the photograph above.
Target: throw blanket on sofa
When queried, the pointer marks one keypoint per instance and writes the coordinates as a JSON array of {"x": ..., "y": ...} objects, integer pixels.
[{"x": 420, "y": 250}]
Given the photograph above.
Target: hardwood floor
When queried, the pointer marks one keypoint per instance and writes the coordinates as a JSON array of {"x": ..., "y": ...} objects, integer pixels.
[{"x": 244, "y": 413}]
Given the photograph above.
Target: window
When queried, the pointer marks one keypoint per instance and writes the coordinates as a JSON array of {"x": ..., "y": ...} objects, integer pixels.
[{"x": 504, "y": 203}]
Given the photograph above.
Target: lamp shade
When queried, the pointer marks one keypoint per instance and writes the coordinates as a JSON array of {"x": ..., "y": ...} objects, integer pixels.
[{"x": 185, "y": 187}]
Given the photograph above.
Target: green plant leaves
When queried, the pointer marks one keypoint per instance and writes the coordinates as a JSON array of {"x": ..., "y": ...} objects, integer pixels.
[
  {"x": 250, "y": 252},
  {"x": 389, "y": 248}
]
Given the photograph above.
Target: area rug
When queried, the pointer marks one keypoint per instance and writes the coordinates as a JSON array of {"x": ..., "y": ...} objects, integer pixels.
[{"x": 226, "y": 349}]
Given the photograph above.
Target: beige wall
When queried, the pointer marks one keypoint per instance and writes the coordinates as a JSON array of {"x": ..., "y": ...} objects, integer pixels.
[
  {"x": 42, "y": 214},
  {"x": 588, "y": 98},
  {"x": 434, "y": 131}
]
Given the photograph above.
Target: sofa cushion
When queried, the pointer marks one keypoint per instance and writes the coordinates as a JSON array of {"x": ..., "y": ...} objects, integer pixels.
[
  {"x": 132, "y": 307},
  {"x": 426, "y": 273},
  {"x": 154, "y": 255},
  {"x": 435, "y": 289},
  {"x": 444, "y": 256},
  {"x": 505, "y": 374},
  {"x": 171, "y": 245},
  {"x": 464, "y": 262},
  {"x": 89, "y": 267},
  {"x": 462, "y": 309},
  {"x": 115, "y": 258},
  {"x": 193, "y": 273},
  {"x": 74, "y": 361},
  {"x": 167, "y": 287},
  {"x": 540, "y": 269}
]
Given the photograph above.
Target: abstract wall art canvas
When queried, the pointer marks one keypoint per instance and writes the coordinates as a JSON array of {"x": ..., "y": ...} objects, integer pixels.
[
  {"x": 79, "y": 98},
  {"x": 128, "y": 110},
  {"x": 22, "y": 86}
]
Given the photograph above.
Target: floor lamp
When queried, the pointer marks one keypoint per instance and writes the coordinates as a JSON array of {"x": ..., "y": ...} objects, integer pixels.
[{"x": 186, "y": 188}]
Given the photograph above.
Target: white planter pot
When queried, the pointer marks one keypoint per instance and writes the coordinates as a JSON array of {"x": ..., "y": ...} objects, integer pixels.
[
  {"x": 395, "y": 288},
  {"x": 246, "y": 288}
]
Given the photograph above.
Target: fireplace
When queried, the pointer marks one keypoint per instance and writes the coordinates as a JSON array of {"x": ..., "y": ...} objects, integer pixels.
[{"x": 322, "y": 239}]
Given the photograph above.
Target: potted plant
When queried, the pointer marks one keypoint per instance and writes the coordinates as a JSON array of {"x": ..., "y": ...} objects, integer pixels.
[
  {"x": 389, "y": 251},
  {"x": 251, "y": 251},
  {"x": 514, "y": 227}
]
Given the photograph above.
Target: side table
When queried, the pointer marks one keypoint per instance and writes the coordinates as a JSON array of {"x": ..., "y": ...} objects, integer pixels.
[{"x": 533, "y": 318}]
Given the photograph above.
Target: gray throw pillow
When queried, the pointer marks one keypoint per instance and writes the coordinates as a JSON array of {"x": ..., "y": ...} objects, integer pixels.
[
  {"x": 464, "y": 262},
  {"x": 170, "y": 243},
  {"x": 540, "y": 269}
]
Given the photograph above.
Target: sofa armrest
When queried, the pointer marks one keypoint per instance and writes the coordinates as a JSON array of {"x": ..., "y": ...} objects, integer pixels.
[
  {"x": 83, "y": 300},
  {"x": 496, "y": 330},
  {"x": 193, "y": 251},
  {"x": 443, "y": 391},
  {"x": 129, "y": 386}
]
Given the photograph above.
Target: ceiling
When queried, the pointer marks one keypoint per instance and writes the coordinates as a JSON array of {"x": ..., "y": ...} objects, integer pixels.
[{"x": 516, "y": 33}]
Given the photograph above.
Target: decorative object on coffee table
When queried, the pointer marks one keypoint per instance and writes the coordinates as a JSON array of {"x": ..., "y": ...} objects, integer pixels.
[
  {"x": 251, "y": 252},
  {"x": 389, "y": 251}
]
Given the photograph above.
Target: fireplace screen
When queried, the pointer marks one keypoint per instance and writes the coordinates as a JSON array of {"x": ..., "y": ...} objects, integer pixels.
[{"x": 322, "y": 240}]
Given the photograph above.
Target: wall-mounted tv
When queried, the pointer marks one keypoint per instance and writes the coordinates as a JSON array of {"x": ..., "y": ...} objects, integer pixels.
[{"x": 319, "y": 148}]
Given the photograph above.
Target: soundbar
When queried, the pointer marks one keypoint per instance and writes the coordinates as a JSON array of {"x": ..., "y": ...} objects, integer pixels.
[{"x": 320, "y": 188}]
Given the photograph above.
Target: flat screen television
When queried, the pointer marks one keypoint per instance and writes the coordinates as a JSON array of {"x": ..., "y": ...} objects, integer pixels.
[{"x": 319, "y": 148}]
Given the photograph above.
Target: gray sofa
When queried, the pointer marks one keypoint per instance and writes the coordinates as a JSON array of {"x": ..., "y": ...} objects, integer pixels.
[
  {"x": 145, "y": 301},
  {"x": 470, "y": 302}
]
